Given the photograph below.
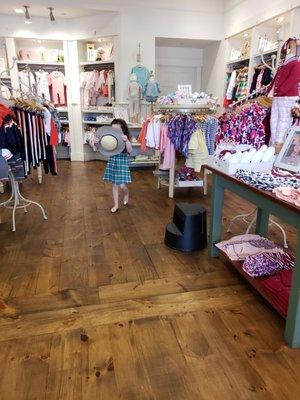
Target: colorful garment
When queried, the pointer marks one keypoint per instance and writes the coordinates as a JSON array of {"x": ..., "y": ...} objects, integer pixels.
[
  {"x": 142, "y": 74},
  {"x": 266, "y": 264},
  {"x": 240, "y": 247},
  {"x": 117, "y": 169},
  {"x": 268, "y": 180},
  {"x": 246, "y": 127}
]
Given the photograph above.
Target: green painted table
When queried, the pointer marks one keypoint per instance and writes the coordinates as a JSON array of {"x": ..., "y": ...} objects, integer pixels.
[{"x": 267, "y": 203}]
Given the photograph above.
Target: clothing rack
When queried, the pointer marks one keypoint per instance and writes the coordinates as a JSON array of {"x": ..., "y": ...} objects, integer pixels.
[
  {"x": 17, "y": 201},
  {"x": 99, "y": 67},
  {"x": 248, "y": 97},
  {"x": 190, "y": 109},
  {"x": 184, "y": 109}
]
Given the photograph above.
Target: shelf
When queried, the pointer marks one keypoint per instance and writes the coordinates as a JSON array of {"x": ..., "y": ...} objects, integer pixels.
[
  {"x": 96, "y": 122},
  {"x": 146, "y": 162},
  {"x": 181, "y": 184},
  {"x": 240, "y": 60},
  {"x": 29, "y": 62},
  {"x": 255, "y": 282},
  {"x": 265, "y": 53},
  {"x": 96, "y": 62},
  {"x": 64, "y": 121},
  {"x": 107, "y": 110},
  {"x": 62, "y": 109}
]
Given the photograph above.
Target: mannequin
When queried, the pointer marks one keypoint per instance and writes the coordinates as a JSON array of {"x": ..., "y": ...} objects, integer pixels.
[
  {"x": 152, "y": 89},
  {"x": 284, "y": 89},
  {"x": 134, "y": 93}
]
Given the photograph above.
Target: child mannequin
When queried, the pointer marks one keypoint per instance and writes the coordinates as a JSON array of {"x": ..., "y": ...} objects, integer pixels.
[
  {"x": 117, "y": 170},
  {"x": 152, "y": 89},
  {"x": 134, "y": 93}
]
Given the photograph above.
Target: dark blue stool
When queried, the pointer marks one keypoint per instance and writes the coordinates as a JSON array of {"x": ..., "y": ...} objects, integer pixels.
[{"x": 187, "y": 232}]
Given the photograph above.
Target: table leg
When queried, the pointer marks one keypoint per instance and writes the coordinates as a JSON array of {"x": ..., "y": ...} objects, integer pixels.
[
  {"x": 216, "y": 215},
  {"x": 292, "y": 328},
  {"x": 262, "y": 222}
]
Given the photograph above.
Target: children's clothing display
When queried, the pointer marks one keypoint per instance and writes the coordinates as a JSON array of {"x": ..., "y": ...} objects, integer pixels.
[
  {"x": 96, "y": 83},
  {"x": 269, "y": 180},
  {"x": 237, "y": 85},
  {"x": 244, "y": 127},
  {"x": 267, "y": 263},
  {"x": 42, "y": 84},
  {"x": 238, "y": 248},
  {"x": 198, "y": 151},
  {"x": 117, "y": 170},
  {"x": 134, "y": 95},
  {"x": 288, "y": 194},
  {"x": 262, "y": 77},
  {"x": 143, "y": 75},
  {"x": 27, "y": 82},
  {"x": 284, "y": 89},
  {"x": 5, "y": 92},
  {"x": 57, "y": 82},
  {"x": 152, "y": 91}
]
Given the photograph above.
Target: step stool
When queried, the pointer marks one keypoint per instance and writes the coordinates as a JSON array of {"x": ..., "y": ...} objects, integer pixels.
[{"x": 187, "y": 232}]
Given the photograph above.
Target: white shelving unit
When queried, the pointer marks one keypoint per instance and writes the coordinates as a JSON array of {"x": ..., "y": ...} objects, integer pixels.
[
  {"x": 30, "y": 62},
  {"x": 83, "y": 63}
]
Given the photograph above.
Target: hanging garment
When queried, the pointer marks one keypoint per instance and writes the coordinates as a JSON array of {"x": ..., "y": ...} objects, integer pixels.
[
  {"x": 231, "y": 86},
  {"x": 134, "y": 99},
  {"x": 166, "y": 148},
  {"x": 5, "y": 92},
  {"x": 153, "y": 134},
  {"x": 281, "y": 118},
  {"x": 27, "y": 82},
  {"x": 152, "y": 91},
  {"x": 143, "y": 75},
  {"x": 142, "y": 136},
  {"x": 42, "y": 84},
  {"x": 58, "y": 82},
  {"x": 198, "y": 152}
]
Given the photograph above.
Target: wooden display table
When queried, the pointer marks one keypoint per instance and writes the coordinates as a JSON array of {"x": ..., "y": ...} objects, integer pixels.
[{"x": 267, "y": 203}]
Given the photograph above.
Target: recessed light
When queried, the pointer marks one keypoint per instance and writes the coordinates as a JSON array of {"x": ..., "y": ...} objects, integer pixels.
[
  {"x": 39, "y": 41},
  {"x": 246, "y": 34},
  {"x": 280, "y": 20},
  {"x": 19, "y": 11},
  {"x": 28, "y": 21}
]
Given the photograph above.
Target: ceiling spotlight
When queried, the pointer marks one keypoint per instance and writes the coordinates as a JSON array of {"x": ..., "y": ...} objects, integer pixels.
[
  {"x": 280, "y": 20},
  {"x": 246, "y": 34},
  {"x": 27, "y": 16},
  {"x": 19, "y": 11},
  {"x": 51, "y": 16}
]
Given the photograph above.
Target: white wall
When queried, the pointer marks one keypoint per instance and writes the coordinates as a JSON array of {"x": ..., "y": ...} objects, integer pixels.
[
  {"x": 185, "y": 60},
  {"x": 213, "y": 70},
  {"x": 241, "y": 15}
]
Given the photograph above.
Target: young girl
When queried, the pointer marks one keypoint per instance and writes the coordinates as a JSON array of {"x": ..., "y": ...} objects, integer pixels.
[{"x": 117, "y": 169}]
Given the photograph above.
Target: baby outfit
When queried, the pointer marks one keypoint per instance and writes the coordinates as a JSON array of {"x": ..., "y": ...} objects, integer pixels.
[
  {"x": 152, "y": 91},
  {"x": 42, "y": 84},
  {"x": 57, "y": 81},
  {"x": 27, "y": 80}
]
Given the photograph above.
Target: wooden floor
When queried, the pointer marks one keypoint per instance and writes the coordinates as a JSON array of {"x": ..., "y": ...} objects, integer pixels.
[{"x": 94, "y": 306}]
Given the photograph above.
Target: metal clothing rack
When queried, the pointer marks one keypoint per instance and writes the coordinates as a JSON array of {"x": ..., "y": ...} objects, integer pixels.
[
  {"x": 17, "y": 201},
  {"x": 181, "y": 109}
]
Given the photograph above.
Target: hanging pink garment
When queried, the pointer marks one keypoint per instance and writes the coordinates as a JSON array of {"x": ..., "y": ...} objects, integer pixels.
[{"x": 166, "y": 147}]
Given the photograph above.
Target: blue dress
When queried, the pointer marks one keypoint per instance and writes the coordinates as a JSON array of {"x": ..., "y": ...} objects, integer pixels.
[{"x": 117, "y": 169}]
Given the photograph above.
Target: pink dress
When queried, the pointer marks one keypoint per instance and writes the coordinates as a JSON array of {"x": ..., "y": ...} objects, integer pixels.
[
  {"x": 57, "y": 81},
  {"x": 166, "y": 148}
]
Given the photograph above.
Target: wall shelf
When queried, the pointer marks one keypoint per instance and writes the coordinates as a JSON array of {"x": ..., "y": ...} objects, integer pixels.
[
  {"x": 96, "y": 122},
  {"x": 104, "y": 110},
  {"x": 240, "y": 60},
  {"x": 83, "y": 63},
  {"x": 29, "y": 62}
]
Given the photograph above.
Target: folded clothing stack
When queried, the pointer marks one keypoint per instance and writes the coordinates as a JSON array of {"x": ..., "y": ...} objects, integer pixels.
[
  {"x": 288, "y": 194},
  {"x": 277, "y": 288},
  {"x": 187, "y": 174},
  {"x": 269, "y": 180}
]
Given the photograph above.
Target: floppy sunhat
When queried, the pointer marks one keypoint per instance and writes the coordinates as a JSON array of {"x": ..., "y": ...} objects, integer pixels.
[{"x": 110, "y": 141}]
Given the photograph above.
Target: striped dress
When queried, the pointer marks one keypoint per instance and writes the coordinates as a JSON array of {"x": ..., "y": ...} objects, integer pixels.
[{"x": 117, "y": 169}]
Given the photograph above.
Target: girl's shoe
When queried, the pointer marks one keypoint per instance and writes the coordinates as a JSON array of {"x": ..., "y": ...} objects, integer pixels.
[
  {"x": 114, "y": 209},
  {"x": 126, "y": 200}
]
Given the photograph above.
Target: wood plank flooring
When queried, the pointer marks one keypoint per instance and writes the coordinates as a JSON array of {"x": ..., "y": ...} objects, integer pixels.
[{"x": 94, "y": 306}]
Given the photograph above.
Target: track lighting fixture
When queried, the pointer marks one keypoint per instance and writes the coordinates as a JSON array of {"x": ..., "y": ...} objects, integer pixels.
[
  {"x": 51, "y": 16},
  {"x": 27, "y": 16}
]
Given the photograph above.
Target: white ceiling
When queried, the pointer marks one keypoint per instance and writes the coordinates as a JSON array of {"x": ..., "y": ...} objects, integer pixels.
[
  {"x": 41, "y": 10},
  {"x": 79, "y": 8},
  {"x": 187, "y": 43}
]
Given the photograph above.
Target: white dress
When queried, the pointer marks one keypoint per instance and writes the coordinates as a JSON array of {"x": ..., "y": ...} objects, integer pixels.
[{"x": 42, "y": 84}]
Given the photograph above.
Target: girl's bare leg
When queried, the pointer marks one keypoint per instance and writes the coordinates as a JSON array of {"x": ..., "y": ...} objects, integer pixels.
[
  {"x": 126, "y": 194},
  {"x": 115, "y": 192}
]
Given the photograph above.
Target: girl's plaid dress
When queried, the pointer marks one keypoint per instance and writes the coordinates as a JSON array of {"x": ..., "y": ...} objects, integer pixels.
[{"x": 117, "y": 169}]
